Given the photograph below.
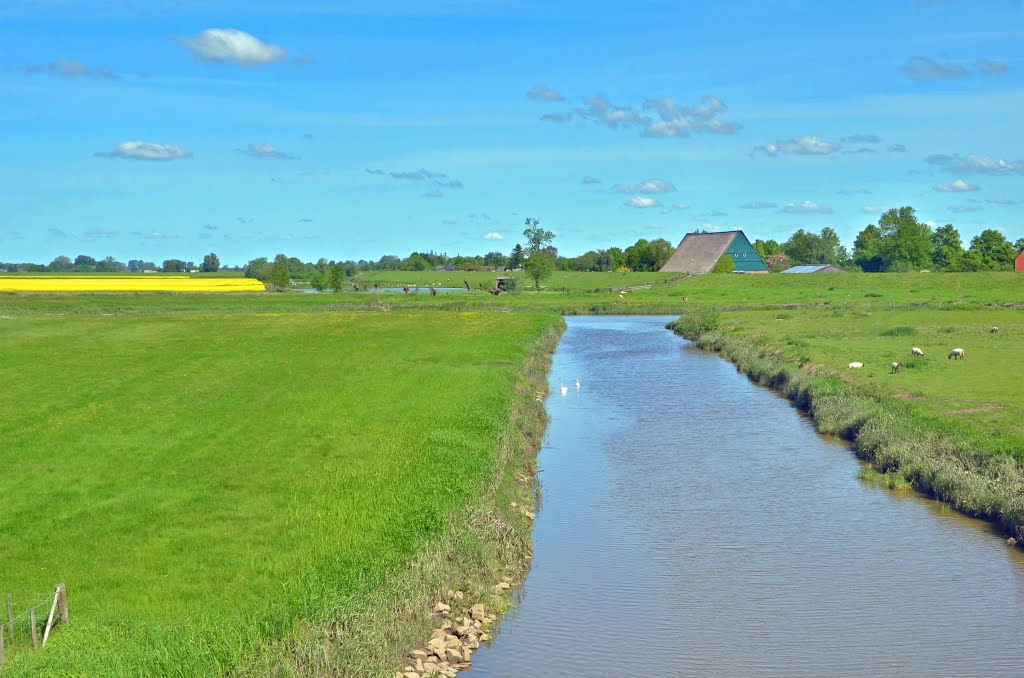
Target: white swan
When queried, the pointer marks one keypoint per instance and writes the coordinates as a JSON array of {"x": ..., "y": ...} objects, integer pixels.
[
  {"x": 565, "y": 389},
  {"x": 577, "y": 384}
]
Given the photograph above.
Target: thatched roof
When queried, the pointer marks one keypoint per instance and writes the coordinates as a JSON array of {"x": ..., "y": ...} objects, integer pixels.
[{"x": 699, "y": 252}]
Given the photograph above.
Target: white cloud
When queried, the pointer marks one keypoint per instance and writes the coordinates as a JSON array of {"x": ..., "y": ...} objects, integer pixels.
[
  {"x": 68, "y": 68},
  {"x": 758, "y": 205},
  {"x": 960, "y": 209},
  {"x": 229, "y": 44},
  {"x": 862, "y": 139},
  {"x": 806, "y": 207},
  {"x": 544, "y": 93},
  {"x": 267, "y": 151},
  {"x": 805, "y": 145},
  {"x": 145, "y": 150},
  {"x": 958, "y": 186},
  {"x": 989, "y": 67},
  {"x": 654, "y": 118},
  {"x": 651, "y": 186},
  {"x": 873, "y": 209},
  {"x": 981, "y": 164},
  {"x": 925, "y": 68},
  {"x": 439, "y": 179},
  {"x": 493, "y": 235},
  {"x": 642, "y": 202}
]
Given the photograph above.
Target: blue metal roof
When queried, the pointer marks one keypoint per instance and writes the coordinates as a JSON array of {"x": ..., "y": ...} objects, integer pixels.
[{"x": 806, "y": 269}]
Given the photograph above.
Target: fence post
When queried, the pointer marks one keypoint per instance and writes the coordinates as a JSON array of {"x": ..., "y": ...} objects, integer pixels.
[
  {"x": 32, "y": 621},
  {"x": 10, "y": 616},
  {"x": 62, "y": 604},
  {"x": 2, "y": 645},
  {"x": 53, "y": 611}
]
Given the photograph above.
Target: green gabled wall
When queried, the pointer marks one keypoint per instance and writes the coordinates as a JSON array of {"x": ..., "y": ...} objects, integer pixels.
[{"x": 744, "y": 254}]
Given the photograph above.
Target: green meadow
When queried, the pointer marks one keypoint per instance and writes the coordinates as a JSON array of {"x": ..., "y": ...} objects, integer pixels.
[{"x": 219, "y": 492}]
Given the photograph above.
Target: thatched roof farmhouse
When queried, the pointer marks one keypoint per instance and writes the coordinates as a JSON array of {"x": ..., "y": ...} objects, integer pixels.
[{"x": 699, "y": 252}]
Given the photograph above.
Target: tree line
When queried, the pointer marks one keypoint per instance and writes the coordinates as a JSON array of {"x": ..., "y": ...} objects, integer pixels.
[
  {"x": 898, "y": 242},
  {"x": 86, "y": 264}
]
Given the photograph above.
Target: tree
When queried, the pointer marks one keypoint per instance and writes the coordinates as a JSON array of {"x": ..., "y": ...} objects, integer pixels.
[
  {"x": 416, "y": 262},
  {"x": 725, "y": 264},
  {"x": 515, "y": 260},
  {"x": 173, "y": 266},
  {"x": 767, "y": 248},
  {"x": 278, "y": 275},
  {"x": 336, "y": 277},
  {"x": 537, "y": 238},
  {"x": 947, "y": 249},
  {"x": 994, "y": 251},
  {"x": 539, "y": 266},
  {"x": 257, "y": 268},
  {"x": 1019, "y": 245},
  {"x": 495, "y": 259},
  {"x": 61, "y": 263},
  {"x": 906, "y": 242},
  {"x": 211, "y": 263},
  {"x": 867, "y": 249},
  {"x": 804, "y": 247}
]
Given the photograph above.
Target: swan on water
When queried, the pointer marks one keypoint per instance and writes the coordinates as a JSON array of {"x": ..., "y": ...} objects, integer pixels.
[
  {"x": 565, "y": 389},
  {"x": 577, "y": 384}
]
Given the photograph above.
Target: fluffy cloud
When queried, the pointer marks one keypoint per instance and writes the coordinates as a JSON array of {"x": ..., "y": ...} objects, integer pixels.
[
  {"x": 958, "y": 186},
  {"x": 805, "y": 145},
  {"x": 66, "y": 68},
  {"x": 493, "y": 235},
  {"x": 649, "y": 187},
  {"x": 544, "y": 93},
  {"x": 758, "y": 205},
  {"x": 229, "y": 44},
  {"x": 421, "y": 175},
  {"x": 267, "y": 151},
  {"x": 980, "y": 164},
  {"x": 989, "y": 67},
  {"x": 925, "y": 68},
  {"x": 642, "y": 202},
  {"x": 145, "y": 150},
  {"x": 806, "y": 207},
  {"x": 653, "y": 118}
]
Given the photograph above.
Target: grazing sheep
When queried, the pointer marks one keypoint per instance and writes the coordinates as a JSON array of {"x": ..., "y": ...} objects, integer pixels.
[
  {"x": 993, "y": 329},
  {"x": 956, "y": 354},
  {"x": 916, "y": 351},
  {"x": 856, "y": 366},
  {"x": 896, "y": 367}
]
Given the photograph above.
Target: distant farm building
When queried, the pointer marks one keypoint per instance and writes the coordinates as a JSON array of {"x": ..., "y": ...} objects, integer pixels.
[
  {"x": 1018, "y": 263},
  {"x": 699, "y": 252},
  {"x": 816, "y": 268}
]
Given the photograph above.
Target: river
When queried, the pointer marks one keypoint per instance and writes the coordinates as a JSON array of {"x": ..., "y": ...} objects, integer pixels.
[{"x": 694, "y": 524}]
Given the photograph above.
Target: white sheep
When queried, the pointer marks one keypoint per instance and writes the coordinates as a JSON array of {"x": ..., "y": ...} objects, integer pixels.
[
  {"x": 856, "y": 366},
  {"x": 916, "y": 351},
  {"x": 993, "y": 329},
  {"x": 896, "y": 367},
  {"x": 956, "y": 354}
]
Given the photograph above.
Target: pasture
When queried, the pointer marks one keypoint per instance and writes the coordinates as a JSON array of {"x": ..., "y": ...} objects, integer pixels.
[
  {"x": 218, "y": 490},
  {"x": 128, "y": 283}
]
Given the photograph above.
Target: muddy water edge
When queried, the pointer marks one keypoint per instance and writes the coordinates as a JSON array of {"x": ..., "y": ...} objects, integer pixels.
[{"x": 694, "y": 523}]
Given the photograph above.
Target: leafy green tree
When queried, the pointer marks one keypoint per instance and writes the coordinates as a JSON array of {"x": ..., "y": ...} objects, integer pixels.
[
  {"x": 495, "y": 259},
  {"x": 173, "y": 266},
  {"x": 537, "y": 238},
  {"x": 867, "y": 249},
  {"x": 539, "y": 266},
  {"x": 767, "y": 248},
  {"x": 336, "y": 277},
  {"x": 515, "y": 260},
  {"x": 1019, "y": 245},
  {"x": 258, "y": 268},
  {"x": 805, "y": 247},
  {"x": 279, "y": 276},
  {"x": 947, "y": 249},
  {"x": 726, "y": 264},
  {"x": 61, "y": 263},
  {"x": 416, "y": 262},
  {"x": 211, "y": 263},
  {"x": 994, "y": 251},
  {"x": 906, "y": 242}
]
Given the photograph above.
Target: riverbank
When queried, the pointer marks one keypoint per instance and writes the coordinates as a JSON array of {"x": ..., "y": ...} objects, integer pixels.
[{"x": 897, "y": 425}]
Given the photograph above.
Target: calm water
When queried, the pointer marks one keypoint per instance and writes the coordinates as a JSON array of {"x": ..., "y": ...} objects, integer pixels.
[{"x": 694, "y": 524}]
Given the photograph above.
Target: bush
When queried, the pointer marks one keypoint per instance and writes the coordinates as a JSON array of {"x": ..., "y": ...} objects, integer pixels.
[
  {"x": 724, "y": 265},
  {"x": 697, "y": 320}
]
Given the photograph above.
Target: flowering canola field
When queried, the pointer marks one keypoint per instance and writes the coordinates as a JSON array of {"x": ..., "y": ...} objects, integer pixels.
[{"x": 126, "y": 283}]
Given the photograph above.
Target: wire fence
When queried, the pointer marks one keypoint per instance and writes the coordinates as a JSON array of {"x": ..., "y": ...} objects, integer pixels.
[{"x": 37, "y": 614}]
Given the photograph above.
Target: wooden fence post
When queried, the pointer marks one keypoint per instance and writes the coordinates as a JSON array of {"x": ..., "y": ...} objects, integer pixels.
[
  {"x": 10, "y": 616},
  {"x": 62, "y": 604},
  {"x": 32, "y": 621},
  {"x": 53, "y": 611}
]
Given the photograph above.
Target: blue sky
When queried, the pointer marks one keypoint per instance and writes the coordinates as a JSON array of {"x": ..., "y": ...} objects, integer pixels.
[{"x": 161, "y": 129}]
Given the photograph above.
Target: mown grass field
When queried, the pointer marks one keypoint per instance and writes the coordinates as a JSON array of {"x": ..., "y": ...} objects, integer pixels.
[
  {"x": 558, "y": 281},
  {"x": 211, "y": 487}
]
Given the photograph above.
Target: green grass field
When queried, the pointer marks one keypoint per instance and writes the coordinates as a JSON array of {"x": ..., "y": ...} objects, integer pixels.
[
  {"x": 560, "y": 280},
  {"x": 210, "y": 487}
]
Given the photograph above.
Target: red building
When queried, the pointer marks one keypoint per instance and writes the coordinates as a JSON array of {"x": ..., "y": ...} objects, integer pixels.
[{"x": 1018, "y": 264}]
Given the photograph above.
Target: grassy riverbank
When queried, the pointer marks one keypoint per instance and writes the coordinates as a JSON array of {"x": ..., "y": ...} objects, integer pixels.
[
  {"x": 248, "y": 493},
  {"x": 949, "y": 428}
]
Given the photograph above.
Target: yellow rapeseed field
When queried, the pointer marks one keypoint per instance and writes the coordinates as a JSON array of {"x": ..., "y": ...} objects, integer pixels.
[{"x": 126, "y": 283}]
